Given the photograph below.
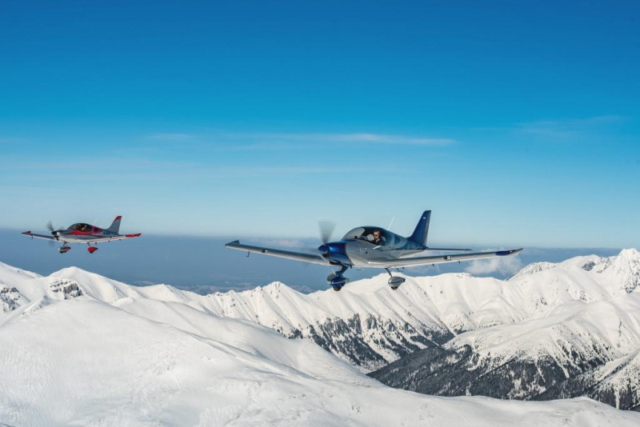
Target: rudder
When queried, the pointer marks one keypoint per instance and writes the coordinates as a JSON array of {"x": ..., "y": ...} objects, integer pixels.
[
  {"x": 421, "y": 232},
  {"x": 115, "y": 225}
]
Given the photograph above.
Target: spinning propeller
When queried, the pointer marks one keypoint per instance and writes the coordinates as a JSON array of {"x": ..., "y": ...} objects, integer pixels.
[
  {"x": 326, "y": 230},
  {"x": 52, "y": 229}
]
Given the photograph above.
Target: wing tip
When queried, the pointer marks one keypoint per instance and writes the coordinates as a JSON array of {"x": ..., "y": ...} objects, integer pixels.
[
  {"x": 235, "y": 242},
  {"x": 509, "y": 252}
]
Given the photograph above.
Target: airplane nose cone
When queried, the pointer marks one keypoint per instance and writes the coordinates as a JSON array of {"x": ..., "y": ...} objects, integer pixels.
[{"x": 335, "y": 252}]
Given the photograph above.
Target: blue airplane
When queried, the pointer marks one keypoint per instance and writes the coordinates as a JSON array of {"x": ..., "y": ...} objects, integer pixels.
[{"x": 373, "y": 247}]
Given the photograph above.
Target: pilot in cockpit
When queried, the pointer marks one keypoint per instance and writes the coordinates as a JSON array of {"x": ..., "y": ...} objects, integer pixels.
[{"x": 378, "y": 239}]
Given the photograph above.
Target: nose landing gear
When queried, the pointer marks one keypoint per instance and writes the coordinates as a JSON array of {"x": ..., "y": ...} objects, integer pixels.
[{"x": 337, "y": 280}]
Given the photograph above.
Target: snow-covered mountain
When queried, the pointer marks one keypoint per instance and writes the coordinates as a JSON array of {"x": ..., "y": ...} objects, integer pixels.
[
  {"x": 616, "y": 382},
  {"x": 579, "y": 334},
  {"x": 548, "y": 324},
  {"x": 370, "y": 326},
  {"x": 79, "y": 349}
]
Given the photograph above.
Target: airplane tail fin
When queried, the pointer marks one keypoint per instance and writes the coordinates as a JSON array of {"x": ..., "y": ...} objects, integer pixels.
[
  {"x": 115, "y": 225},
  {"x": 421, "y": 232}
]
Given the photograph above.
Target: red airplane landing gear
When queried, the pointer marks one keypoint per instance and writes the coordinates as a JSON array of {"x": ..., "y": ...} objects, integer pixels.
[
  {"x": 92, "y": 249},
  {"x": 64, "y": 249}
]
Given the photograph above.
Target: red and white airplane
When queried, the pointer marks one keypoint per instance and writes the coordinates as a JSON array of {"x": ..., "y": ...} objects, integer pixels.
[{"x": 83, "y": 233}]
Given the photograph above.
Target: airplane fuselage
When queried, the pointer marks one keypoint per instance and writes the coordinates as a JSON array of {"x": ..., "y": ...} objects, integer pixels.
[
  {"x": 91, "y": 233},
  {"x": 355, "y": 249}
]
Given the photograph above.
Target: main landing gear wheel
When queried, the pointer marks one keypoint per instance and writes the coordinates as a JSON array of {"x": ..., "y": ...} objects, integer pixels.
[
  {"x": 394, "y": 281},
  {"x": 64, "y": 249},
  {"x": 92, "y": 249}
]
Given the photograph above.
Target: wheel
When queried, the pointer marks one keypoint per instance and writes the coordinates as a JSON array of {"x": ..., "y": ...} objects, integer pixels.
[
  {"x": 337, "y": 288},
  {"x": 338, "y": 282},
  {"x": 395, "y": 282}
]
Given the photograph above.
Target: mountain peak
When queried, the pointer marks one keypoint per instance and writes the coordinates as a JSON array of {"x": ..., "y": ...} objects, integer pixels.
[
  {"x": 275, "y": 286},
  {"x": 626, "y": 267},
  {"x": 631, "y": 253}
]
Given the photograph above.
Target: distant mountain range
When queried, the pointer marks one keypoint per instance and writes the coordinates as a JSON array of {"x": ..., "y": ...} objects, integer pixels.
[{"x": 77, "y": 348}]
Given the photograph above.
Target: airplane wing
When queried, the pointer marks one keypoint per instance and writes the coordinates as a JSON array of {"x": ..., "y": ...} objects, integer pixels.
[
  {"x": 297, "y": 256},
  {"x": 112, "y": 239},
  {"x": 439, "y": 259},
  {"x": 409, "y": 255},
  {"x": 447, "y": 250},
  {"x": 39, "y": 236}
]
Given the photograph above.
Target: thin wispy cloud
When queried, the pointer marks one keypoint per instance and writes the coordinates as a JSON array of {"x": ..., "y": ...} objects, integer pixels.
[
  {"x": 264, "y": 146},
  {"x": 505, "y": 266},
  {"x": 361, "y": 138},
  {"x": 567, "y": 130},
  {"x": 171, "y": 137},
  {"x": 274, "y": 141}
]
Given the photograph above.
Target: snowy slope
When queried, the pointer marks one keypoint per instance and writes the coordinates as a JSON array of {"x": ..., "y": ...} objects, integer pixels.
[
  {"x": 585, "y": 319},
  {"x": 616, "y": 383},
  {"x": 80, "y": 349},
  {"x": 526, "y": 358}
]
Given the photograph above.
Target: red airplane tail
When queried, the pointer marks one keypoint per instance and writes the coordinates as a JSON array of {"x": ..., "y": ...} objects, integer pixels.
[{"x": 115, "y": 225}]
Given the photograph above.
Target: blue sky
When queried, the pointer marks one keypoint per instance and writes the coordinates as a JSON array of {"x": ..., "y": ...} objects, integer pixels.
[{"x": 516, "y": 122}]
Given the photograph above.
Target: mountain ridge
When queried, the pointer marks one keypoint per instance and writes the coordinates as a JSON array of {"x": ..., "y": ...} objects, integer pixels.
[{"x": 78, "y": 348}]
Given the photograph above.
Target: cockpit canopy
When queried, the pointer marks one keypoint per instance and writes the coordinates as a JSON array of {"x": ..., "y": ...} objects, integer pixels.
[
  {"x": 81, "y": 227},
  {"x": 374, "y": 235}
]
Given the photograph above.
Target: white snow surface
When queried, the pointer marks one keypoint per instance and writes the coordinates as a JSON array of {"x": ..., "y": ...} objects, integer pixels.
[
  {"x": 81, "y": 349},
  {"x": 585, "y": 308}
]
